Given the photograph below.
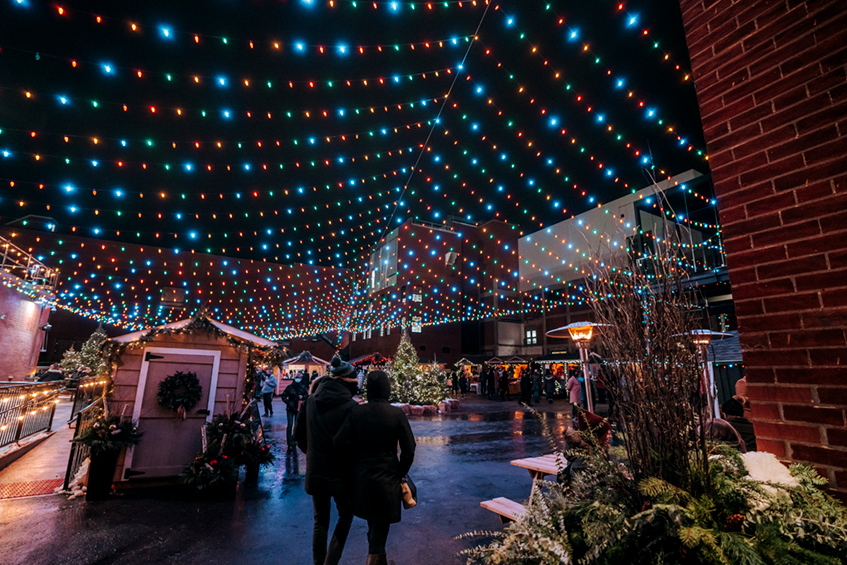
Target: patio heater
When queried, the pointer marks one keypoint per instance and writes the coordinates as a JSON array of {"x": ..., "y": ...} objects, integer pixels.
[
  {"x": 703, "y": 339},
  {"x": 581, "y": 333}
]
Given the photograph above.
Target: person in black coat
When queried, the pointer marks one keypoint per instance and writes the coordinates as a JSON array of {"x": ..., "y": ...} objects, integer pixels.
[
  {"x": 327, "y": 478},
  {"x": 293, "y": 396},
  {"x": 54, "y": 373},
  {"x": 463, "y": 384},
  {"x": 373, "y": 431},
  {"x": 549, "y": 385},
  {"x": 526, "y": 388}
]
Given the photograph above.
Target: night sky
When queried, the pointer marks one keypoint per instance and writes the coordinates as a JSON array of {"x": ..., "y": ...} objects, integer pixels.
[
  {"x": 299, "y": 131},
  {"x": 318, "y": 179}
]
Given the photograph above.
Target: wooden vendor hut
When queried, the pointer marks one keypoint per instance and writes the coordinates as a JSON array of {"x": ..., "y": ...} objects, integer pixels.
[
  {"x": 220, "y": 357},
  {"x": 371, "y": 362},
  {"x": 306, "y": 362}
]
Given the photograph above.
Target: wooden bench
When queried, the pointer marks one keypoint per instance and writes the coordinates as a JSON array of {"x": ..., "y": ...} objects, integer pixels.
[{"x": 507, "y": 510}]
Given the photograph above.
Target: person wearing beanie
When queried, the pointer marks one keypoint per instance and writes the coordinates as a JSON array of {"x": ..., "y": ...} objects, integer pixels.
[
  {"x": 374, "y": 431},
  {"x": 293, "y": 396},
  {"x": 327, "y": 475}
]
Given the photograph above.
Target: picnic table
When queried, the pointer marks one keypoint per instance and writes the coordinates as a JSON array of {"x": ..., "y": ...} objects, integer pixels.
[{"x": 538, "y": 467}]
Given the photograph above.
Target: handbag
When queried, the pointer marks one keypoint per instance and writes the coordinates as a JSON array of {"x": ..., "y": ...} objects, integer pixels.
[{"x": 409, "y": 492}]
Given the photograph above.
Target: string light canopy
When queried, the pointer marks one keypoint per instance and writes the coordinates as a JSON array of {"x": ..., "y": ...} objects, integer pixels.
[{"x": 303, "y": 132}]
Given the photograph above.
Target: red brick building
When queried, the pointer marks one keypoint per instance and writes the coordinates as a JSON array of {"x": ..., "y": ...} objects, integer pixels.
[{"x": 771, "y": 80}]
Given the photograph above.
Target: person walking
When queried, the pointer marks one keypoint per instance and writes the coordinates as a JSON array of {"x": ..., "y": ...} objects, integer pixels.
[
  {"x": 293, "y": 396},
  {"x": 526, "y": 388},
  {"x": 492, "y": 388},
  {"x": 503, "y": 381},
  {"x": 454, "y": 384},
  {"x": 373, "y": 431},
  {"x": 327, "y": 478},
  {"x": 269, "y": 383},
  {"x": 463, "y": 384},
  {"x": 575, "y": 397},
  {"x": 537, "y": 383},
  {"x": 549, "y": 385},
  {"x": 483, "y": 383}
]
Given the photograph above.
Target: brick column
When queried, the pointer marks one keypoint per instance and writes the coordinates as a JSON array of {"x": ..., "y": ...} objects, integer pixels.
[
  {"x": 772, "y": 90},
  {"x": 20, "y": 334}
]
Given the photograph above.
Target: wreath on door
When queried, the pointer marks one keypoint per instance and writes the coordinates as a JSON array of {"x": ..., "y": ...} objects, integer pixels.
[{"x": 179, "y": 392}]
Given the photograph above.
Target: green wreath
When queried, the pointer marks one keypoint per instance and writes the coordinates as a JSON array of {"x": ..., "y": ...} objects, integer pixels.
[{"x": 179, "y": 392}]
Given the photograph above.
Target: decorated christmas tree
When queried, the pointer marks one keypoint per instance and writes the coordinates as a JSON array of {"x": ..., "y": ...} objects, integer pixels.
[
  {"x": 412, "y": 384},
  {"x": 90, "y": 355}
]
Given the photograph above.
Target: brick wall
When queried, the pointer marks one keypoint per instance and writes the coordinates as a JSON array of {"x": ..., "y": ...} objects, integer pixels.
[
  {"x": 20, "y": 334},
  {"x": 772, "y": 90}
]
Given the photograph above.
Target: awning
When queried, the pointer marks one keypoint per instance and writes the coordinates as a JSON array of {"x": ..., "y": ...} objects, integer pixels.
[
  {"x": 474, "y": 359},
  {"x": 376, "y": 358},
  {"x": 515, "y": 360},
  {"x": 305, "y": 358},
  {"x": 495, "y": 361},
  {"x": 726, "y": 350},
  {"x": 558, "y": 358}
]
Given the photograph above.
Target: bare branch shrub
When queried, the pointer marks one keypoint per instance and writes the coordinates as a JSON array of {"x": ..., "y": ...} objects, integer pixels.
[{"x": 653, "y": 371}]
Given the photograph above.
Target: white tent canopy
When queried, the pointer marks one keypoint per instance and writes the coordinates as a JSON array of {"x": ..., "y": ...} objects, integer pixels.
[{"x": 305, "y": 358}]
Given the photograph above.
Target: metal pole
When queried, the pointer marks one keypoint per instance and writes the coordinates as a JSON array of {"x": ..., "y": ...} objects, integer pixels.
[
  {"x": 583, "y": 356},
  {"x": 52, "y": 412},
  {"x": 709, "y": 378}
]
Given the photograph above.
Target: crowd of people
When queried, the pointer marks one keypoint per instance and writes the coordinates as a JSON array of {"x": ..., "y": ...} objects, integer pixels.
[{"x": 494, "y": 384}]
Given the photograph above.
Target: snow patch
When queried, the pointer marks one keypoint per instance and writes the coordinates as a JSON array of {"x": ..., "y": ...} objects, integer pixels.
[{"x": 765, "y": 467}]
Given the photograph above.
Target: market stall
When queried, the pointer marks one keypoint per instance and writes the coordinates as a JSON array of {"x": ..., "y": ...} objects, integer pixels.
[
  {"x": 305, "y": 362},
  {"x": 199, "y": 357}
]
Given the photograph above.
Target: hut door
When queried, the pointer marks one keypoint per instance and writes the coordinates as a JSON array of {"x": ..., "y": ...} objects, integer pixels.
[{"x": 169, "y": 443}]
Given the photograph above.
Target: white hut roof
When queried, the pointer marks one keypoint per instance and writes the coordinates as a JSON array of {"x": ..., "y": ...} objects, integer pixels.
[
  {"x": 235, "y": 332},
  {"x": 305, "y": 357}
]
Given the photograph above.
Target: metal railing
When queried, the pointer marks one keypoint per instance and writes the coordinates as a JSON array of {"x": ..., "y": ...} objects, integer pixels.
[
  {"x": 10, "y": 391},
  {"x": 26, "y": 411},
  {"x": 88, "y": 389},
  {"x": 84, "y": 420},
  {"x": 19, "y": 269}
]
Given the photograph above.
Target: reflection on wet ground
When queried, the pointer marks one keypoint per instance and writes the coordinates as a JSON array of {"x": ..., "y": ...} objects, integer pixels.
[{"x": 462, "y": 458}]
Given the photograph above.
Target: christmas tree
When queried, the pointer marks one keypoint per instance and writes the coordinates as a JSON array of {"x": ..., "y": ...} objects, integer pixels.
[
  {"x": 90, "y": 355},
  {"x": 410, "y": 383}
]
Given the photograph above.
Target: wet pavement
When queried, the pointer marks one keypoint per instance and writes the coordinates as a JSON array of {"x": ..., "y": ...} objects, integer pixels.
[{"x": 462, "y": 458}]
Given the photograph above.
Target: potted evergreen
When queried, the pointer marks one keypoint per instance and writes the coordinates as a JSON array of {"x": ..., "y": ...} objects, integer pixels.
[{"x": 105, "y": 439}]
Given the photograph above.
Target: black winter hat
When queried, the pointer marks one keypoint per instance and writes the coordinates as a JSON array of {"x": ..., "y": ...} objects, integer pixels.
[
  {"x": 732, "y": 408},
  {"x": 340, "y": 368},
  {"x": 379, "y": 387}
]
